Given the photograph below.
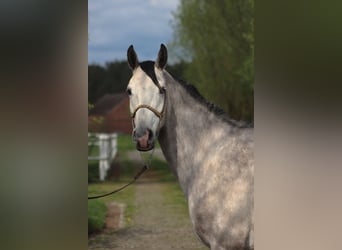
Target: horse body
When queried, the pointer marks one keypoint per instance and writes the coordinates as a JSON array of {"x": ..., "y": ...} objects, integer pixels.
[
  {"x": 213, "y": 161},
  {"x": 212, "y": 157}
]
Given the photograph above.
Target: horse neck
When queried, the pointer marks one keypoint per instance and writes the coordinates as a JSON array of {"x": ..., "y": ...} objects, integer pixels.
[{"x": 189, "y": 131}]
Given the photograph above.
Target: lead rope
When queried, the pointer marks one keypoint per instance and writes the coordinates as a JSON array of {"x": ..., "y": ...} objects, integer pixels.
[
  {"x": 147, "y": 162},
  {"x": 143, "y": 169}
]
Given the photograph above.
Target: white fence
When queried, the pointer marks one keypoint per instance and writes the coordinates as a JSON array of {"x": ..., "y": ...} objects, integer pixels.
[{"x": 107, "y": 144}]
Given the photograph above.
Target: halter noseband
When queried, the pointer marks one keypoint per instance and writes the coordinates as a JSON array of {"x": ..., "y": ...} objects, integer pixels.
[
  {"x": 156, "y": 112},
  {"x": 160, "y": 114}
]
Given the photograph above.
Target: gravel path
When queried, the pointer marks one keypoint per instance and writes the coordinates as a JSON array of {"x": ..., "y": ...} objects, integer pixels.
[{"x": 157, "y": 224}]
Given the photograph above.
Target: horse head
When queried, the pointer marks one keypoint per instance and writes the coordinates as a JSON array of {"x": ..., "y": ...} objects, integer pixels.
[{"x": 147, "y": 96}]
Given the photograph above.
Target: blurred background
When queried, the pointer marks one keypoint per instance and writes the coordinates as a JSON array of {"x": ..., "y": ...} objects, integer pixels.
[{"x": 210, "y": 45}]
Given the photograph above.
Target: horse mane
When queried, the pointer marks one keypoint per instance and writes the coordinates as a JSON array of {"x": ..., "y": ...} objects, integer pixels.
[
  {"x": 148, "y": 68},
  {"x": 213, "y": 108}
]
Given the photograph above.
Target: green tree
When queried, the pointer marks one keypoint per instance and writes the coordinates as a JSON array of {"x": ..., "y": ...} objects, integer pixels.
[
  {"x": 112, "y": 78},
  {"x": 117, "y": 77},
  {"x": 96, "y": 76},
  {"x": 217, "y": 36}
]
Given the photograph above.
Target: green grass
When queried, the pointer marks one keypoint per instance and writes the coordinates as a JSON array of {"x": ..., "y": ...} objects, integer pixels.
[
  {"x": 125, "y": 143},
  {"x": 96, "y": 215},
  {"x": 163, "y": 170},
  {"x": 173, "y": 193},
  {"x": 126, "y": 196},
  {"x": 174, "y": 196},
  {"x": 97, "y": 208}
]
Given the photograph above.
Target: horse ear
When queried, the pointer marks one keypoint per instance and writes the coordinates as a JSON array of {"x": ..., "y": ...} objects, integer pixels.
[
  {"x": 132, "y": 58},
  {"x": 162, "y": 57}
]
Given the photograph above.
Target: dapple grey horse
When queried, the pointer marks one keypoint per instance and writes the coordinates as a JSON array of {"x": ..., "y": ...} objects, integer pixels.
[{"x": 210, "y": 154}]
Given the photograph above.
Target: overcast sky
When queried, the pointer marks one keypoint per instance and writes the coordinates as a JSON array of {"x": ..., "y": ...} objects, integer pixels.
[{"x": 116, "y": 24}]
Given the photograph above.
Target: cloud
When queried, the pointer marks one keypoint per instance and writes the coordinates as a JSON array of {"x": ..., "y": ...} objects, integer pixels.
[{"x": 114, "y": 25}]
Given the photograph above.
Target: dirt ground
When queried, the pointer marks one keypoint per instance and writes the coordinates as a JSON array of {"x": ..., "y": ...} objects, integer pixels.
[{"x": 157, "y": 224}]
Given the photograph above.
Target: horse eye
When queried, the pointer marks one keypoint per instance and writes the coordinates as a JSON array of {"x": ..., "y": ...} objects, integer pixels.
[{"x": 129, "y": 91}]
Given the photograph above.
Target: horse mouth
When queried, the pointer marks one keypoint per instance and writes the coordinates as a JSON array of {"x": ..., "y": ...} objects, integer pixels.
[
  {"x": 145, "y": 142},
  {"x": 144, "y": 148}
]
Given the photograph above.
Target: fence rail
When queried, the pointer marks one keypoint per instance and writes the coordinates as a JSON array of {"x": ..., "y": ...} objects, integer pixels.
[{"x": 107, "y": 144}]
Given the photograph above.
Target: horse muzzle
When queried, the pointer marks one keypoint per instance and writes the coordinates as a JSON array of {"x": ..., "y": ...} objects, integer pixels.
[{"x": 145, "y": 142}]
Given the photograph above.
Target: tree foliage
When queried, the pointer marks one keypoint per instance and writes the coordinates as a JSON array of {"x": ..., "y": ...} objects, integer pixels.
[
  {"x": 218, "y": 37},
  {"x": 112, "y": 78}
]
